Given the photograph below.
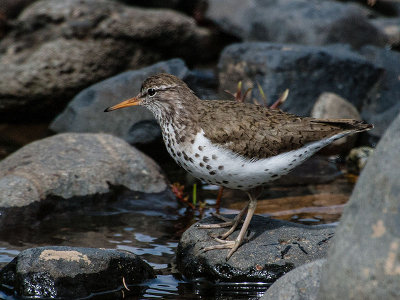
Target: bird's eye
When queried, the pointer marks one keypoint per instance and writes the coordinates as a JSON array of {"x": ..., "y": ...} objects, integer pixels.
[{"x": 151, "y": 92}]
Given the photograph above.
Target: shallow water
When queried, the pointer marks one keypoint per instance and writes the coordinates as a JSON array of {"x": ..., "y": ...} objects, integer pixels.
[{"x": 151, "y": 225}]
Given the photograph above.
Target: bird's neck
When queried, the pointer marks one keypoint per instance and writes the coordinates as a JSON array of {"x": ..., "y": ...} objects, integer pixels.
[{"x": 180, "y": 119}]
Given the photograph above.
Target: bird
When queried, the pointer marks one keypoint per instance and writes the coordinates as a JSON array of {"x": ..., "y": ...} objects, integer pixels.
[{"x": 236, "y": 145}]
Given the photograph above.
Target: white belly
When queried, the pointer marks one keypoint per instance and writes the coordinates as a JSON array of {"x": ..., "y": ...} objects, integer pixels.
[{"x": 220, "y": 166}]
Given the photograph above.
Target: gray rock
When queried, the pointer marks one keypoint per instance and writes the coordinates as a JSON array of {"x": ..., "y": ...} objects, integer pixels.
[
  {"x": 332, "y": 106},
  {"x": 356, "y": 30},
  {"x": 296, "y": 21},
  {"x": 85, "y": 113},
  {"x": 57, "y": 48},
  {"x": 279, "y": 67},
  {"x": 364, "y": 260},
  {"x": 273, "y": 248},
  {"x": 301, "y": 283},
  {"x": 382, "y": 104},
  {"x": 72, "y": 272},
  {"x": 69, "y": 165},
  {"x": 391, "y": 28}
]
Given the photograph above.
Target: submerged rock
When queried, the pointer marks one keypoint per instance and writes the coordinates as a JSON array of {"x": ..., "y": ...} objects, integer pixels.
[
  {"x": 301, "y": 283},
  {"x": 364, "y": 260},
  {"x": 272, "y": 249},
  {"x": 68, "y": 165},
  {"x": 72, "y": 272}
]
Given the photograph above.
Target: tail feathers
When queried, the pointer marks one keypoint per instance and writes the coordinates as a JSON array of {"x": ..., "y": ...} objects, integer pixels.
[{"x": 346, "y": 124}]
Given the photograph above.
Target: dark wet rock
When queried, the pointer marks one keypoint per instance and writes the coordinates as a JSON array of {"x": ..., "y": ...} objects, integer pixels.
[
  {"x": 356, "y": 30},
  {"x": 274, "y": 248},
  {"x": 318, "y": 169},
  {"x": 294, "y": 21},
  {"x": 58, "y": 48},
  {"x": 279, "y": 67},
  {"x": 332, "y": 106},
  {"x": 68, "y": 165},
  {"x": 85, "y": 113},
  {"x": 382, "y": 104},
  {"x": 364, "y": 260},
  {"x": 299, "y": 284},
  {"x": 69, "y": 272}
]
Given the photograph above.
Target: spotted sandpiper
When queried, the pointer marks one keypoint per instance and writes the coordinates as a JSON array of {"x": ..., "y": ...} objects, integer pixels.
[{"x": 236, "y": 145}]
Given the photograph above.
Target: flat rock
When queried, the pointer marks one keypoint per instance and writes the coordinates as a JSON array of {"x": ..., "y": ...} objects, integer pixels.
[
  {"x": 277, "y": 67},
  {"x": 273, "y": 248},
  {"x": 58, "y": 48},
  {"x": 72, "y": 272},
  {"x": 69, "y": 165},
  {"x": 364, "y": 260},
  {"x": 300, "y": 283},
  {"x": 307, "y": 22}
]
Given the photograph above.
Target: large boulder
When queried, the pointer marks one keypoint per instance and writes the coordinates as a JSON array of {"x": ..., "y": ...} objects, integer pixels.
[
  {"x": 382, "y": 104},
  {"x": 308, "y": 22},
  {"x": 306, "y": 71},
  {"x": 70, "y": 165},
  {"x": 72, "y": 272},
  {"x": 364, "y": 260},
  {"x": 301, "y": 283},
  {"x": 57, "y": 48},
  {"x": 273, "y": 248},
  {"x": 85, "y": 112}
]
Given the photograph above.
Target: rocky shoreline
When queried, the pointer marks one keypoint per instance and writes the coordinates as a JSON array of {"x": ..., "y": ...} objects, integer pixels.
[{"x": 64, "y": 62}]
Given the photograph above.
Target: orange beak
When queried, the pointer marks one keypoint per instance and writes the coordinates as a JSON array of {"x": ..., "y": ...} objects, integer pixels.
[{"x": 130, "y": 102}]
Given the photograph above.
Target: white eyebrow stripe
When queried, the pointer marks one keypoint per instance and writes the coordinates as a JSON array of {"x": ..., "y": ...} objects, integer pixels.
[{"x": 164, "y": 87}]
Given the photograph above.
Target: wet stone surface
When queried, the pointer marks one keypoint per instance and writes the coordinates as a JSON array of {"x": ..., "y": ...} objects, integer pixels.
[
  {"x": 272, "y": 249},
  {"x": 72, "y": 272}
]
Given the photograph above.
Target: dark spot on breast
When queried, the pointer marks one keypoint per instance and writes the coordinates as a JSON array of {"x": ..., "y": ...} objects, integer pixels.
[
  {"x": 208, "y": 167},
  {"x": 196, "y": 155},
  {"x": 178, "y": 153},
  {"x": 240, "y": 186},
  {"x": 220, "y": 167},
  {"x": 201, "y": 164},
  {"x": 300, "y": 155},
  {"x": 275, "y": 175},
  {"x": 200, "y": 148},
  {"x": 225, "y": 181},
  {"x": 214, "y": 156},
  {"x": 266, "y": 170},
  {"x": 212, "y": 173},
  {"x": 192, "y": 141},
  {"x": 218, "y": 182},
  {"x": 205, "y": 159}
]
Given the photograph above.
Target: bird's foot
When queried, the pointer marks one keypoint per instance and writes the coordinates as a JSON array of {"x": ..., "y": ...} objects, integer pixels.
[
  {"x": 224, "y": 244},
  {"x": 227, "y": 222}
]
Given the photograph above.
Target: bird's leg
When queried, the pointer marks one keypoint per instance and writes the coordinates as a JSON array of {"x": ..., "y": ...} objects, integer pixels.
[
  {"x": 233, "y": 245},
  {"x": 227, "y": 222}
]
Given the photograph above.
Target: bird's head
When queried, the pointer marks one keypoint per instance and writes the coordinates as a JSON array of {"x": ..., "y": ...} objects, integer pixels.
[{"x": 162, "y": 94}]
